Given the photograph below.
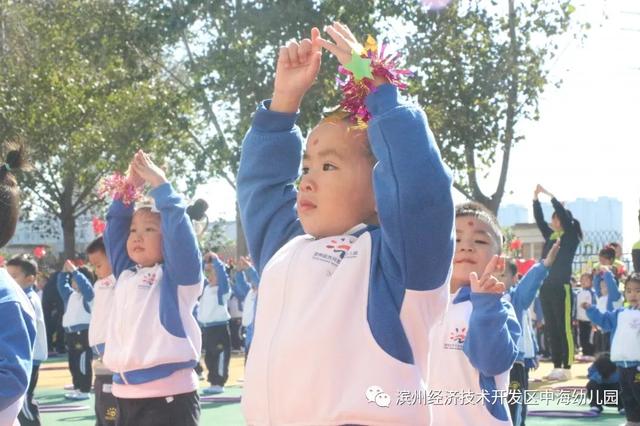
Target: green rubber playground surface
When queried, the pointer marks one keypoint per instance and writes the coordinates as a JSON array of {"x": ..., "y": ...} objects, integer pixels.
[{"x": 54, "y": 375}]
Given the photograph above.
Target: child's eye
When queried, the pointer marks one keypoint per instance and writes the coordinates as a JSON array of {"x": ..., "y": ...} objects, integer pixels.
[
  {"x": 328, "y": 166},
  {"x": 481, "y": 242},
  {"x": 149, "y": 229},
  {"x": 132, "y": 230},
  {"x": 305, "y": 170},
  {"x": 457, "y": 240}
]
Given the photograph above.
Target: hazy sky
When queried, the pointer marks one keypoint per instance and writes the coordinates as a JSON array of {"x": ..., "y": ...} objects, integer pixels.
[{"x": 586, "y": 142}]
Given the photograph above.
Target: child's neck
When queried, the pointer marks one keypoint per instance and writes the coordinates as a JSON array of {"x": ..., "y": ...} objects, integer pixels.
[{"x": 455, "y": 285}]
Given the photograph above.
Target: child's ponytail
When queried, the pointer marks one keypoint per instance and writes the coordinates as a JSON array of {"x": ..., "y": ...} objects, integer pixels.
[{"x": 15, "y": 160}]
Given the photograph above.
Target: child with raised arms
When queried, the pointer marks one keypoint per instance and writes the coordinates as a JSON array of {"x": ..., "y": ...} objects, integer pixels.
[{"x": 353, "y": 263}]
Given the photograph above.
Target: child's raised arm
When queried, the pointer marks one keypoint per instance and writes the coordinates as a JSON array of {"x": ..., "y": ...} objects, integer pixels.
[
  {"x": 116, "y": 232},
  {"x": 411, "y": 183},
  {"x": 182, "y": 258},
  {"x": 272, "y": 152},
  {"x": 525, "y": 293},
  {"x": 606, "y": 320}
]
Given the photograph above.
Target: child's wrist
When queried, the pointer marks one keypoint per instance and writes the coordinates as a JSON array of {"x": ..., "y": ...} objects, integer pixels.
[
  {"x": 156, "y": 182},
  {"x": 286, "y": 103}
]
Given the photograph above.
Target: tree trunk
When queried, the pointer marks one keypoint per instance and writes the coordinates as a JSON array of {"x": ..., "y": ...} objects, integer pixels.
[
  {"x": 241, "y": 241},
  {"x": 69, "y": 235},
  {"x": 67, "y": 218}
]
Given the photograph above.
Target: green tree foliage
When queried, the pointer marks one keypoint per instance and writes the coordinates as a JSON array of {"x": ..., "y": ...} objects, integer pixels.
[{"x": 77, "y": 92}]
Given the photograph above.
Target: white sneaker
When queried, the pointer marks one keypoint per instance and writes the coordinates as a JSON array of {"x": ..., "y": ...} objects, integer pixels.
[
  {"x": 556, "y": 374},
  {"x": 77, "y": 396},
  {"x": 566, "y": 373},
  {"x": 213, "y": 390}
]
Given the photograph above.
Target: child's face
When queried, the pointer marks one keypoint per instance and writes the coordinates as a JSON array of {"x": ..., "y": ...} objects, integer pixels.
[
  {"x": 605, "y": 261},
  {"x": 585, "y": 281},
  {"x": 144, "y": 245},
  {"x": 632, "y": 293},
  {"x": 19, "y": 276},
  {"x": 336, "y": 190},
  {"x": 507, "y": 278},
  {"x": 100, "y": 263},
  {"x": 475, "y": 246}
]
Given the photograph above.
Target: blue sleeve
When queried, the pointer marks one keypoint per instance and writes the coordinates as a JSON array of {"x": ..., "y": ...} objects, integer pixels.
[
  {"x": 17, "y": 338},
  {"x": 543, "y": 226},
  {"x": 612, "y": 287},
  {"x": 116, "y": 234},
  {"x": 596, "y": 284},
  {"x": 269, "y": 166},
  {"x": 64, "y": 287},
  {"x": 222, "y": 278},
  {"x": 182, "y": 258},
  {"x": 492, "y": 340},
  {"x": 537, "y": 308},
  {"x": 608, "y": 321},
  {"x": 413, "y": 194},
  {"x": 241, "y": 288},
  {"x": 252, "y": 275},
  {"x": 84, "y": 286},
  {"x": 526, "y": 290}
]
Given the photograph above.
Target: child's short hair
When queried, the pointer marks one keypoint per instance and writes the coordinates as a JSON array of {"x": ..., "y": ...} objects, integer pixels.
[
  {"x": 87, "y": 273},
  {"x": 483, "y": 214},
  {"x": 26, "y": 263},
  {"x": 604, "y": 366},
  {"x": 10, "y": 192},
  {"x": 198, "y": 209},
  {"x": 510, "y": 265},
  {"x": 586, "y": 275},
  {"x": 633, "y": 278},
  {"x": 608, "y": 252},
  {"x": 96, "y": 246}
]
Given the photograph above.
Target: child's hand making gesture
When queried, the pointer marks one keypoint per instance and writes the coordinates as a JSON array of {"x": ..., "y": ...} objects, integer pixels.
[
  {"x": 296, "y": 70},
  {"x": 142, "y": 169},
  {"x": 487, "y": 283},
  {"x": 345, "y": 46}
]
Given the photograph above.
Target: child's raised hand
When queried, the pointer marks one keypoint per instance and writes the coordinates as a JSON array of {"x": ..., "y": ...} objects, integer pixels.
[
  {"x": 147, "y": 170},
  {"x": 134, "y": 178},
  {"x": 69, "y": 266},
  {"x": 553, "y": 253},
  {"x": 345, "y": 42},
  {"x": 296, "y": 71},
  {"x": 487, "y": 283}
]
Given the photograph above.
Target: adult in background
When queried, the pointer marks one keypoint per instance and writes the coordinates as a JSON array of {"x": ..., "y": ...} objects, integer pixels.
[{"x": 555, "y": 293}]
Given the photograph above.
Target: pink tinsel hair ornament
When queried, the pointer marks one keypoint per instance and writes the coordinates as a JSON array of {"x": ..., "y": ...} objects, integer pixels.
[
  {"x": 119, "y": 188},
  {"x": 355, "y": 88}
]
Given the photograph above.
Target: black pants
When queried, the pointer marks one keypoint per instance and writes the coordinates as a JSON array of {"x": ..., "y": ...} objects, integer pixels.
[
  {"x": 556, "y": 308},
  {"x": 106, "y": 405},
  {"x": 630, "y": 392},
  {"x": 235, "y": 328},
  {"x": 596, "y": 394},
  {"x": 601, "y": 341},
  {"x": 217, "y": 347},
  {"x": 30, "y": 415},
  {"x": 518, "y": 385},
  {"x": 55, "y": 330},
  {"x": 182, "y": 410},
  {"x": 584, "y": 328},
  {"x": 80, "y": 358}
]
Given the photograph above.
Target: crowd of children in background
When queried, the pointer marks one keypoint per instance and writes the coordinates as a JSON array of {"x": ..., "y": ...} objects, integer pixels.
[{"x": 381, "y": 280}]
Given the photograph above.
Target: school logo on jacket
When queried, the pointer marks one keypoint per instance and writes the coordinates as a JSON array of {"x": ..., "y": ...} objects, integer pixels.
[
  {"x": 148, "y": 280},
  {"x": 336, "y": 250},
  {"x": 456, "y": 338}
]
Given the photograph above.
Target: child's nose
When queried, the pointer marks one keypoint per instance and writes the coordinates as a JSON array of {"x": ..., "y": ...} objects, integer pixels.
[{"x": 307, "y": 183}]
